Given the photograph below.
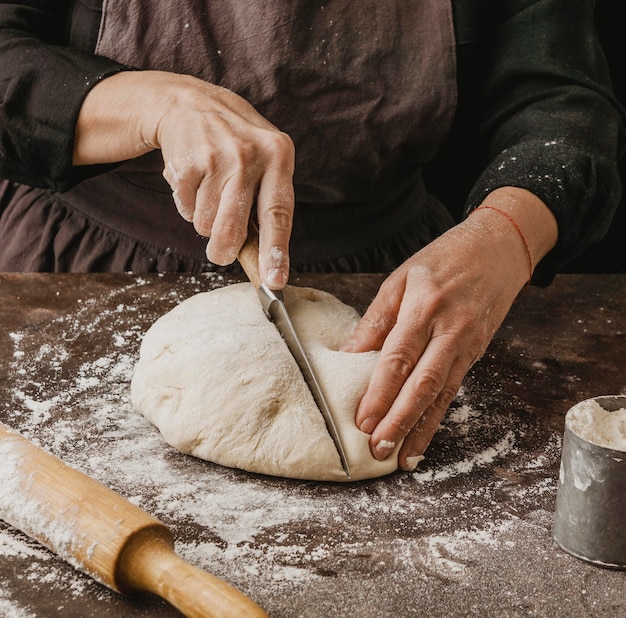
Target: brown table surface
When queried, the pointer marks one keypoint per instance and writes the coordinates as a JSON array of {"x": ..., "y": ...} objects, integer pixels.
[{"x": 467, "y": 534}]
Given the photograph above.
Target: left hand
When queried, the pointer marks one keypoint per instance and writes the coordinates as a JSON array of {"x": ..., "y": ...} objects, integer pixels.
[{"x": 434, "y": 317}]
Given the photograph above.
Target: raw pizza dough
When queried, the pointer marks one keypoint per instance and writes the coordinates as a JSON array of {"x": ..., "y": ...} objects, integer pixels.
[{"x": 218, "y": 381}]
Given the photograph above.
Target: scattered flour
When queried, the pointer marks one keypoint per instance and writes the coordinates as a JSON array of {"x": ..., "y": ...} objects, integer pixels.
[
  {"x": 10, "y": 610},
  {"x": 14, "y": 546},
  {"x": 71, "y": 395}
]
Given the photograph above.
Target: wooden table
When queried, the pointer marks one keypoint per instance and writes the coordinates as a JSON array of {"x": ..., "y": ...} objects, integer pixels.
[{"x": 467, "y": 534}]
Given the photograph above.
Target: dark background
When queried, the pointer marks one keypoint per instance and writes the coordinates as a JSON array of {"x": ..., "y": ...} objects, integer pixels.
[{"x": 609, "y": 256}]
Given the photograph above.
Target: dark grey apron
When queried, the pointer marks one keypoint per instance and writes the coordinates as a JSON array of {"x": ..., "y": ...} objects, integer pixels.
[{"x": 367, "y": 91}]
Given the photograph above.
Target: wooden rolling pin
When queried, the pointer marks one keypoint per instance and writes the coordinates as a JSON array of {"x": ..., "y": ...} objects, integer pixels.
[{"x": 104, "y": 535}]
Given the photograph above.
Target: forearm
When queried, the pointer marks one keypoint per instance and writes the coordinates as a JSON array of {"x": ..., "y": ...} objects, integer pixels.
[
  {"x": 43, "y": 87},
  {"x": 118, "y": 117}
]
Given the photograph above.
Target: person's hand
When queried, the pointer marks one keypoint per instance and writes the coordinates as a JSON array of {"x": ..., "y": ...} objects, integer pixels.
[
  {"x": 434, "y": 317},
  {"x": 220, "y": 156}
]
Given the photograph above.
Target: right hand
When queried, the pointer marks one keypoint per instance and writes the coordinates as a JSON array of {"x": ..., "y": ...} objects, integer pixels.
[{"x": 219, "y": 154}]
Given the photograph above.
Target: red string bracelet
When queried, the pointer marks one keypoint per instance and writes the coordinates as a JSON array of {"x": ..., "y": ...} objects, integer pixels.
[{"x": 521, "y": 235}]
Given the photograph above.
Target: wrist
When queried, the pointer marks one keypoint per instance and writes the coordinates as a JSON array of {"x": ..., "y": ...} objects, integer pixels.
[{"x": 527, "y": 221}]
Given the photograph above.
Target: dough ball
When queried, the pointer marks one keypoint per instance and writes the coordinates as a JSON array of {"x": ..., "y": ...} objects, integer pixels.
[{"x": 217, "y": 379}]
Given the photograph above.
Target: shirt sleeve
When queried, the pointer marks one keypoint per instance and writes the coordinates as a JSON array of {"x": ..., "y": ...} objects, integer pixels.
[
  {"x": 549, "y": 119},
  {"x": 43, "y": 83}
]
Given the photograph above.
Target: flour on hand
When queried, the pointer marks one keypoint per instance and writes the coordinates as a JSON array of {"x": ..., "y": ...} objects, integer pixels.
[{"x": 216, "y": 378}]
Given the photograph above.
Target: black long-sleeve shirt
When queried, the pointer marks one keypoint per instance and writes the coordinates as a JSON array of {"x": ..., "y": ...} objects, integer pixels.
[{"x": 535, "y": 104}]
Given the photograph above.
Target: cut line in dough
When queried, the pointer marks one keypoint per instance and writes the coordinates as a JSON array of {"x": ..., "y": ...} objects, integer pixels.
[{"x": 216, "y": 378}]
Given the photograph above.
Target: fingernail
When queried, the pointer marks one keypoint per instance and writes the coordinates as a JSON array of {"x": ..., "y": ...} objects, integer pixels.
[
  {"x": 276, "y": 273},
  {"x": 383, "y": 449},
  {"x": 369, "y": 424},
  {"x": 222, "y": 258},
  {"x": 275, "y": 278},
  {"x": 412, "y": 461}
]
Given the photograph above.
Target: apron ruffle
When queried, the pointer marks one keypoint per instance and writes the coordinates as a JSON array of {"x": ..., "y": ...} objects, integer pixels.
[{"x": 67, "y": 240}]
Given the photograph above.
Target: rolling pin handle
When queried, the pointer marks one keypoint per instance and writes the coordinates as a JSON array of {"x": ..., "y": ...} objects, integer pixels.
[{"x": 149, "y": 564}]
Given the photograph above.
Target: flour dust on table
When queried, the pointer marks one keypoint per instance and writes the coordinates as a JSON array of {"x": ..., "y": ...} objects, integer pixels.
[{"x": 217, "y": 379}]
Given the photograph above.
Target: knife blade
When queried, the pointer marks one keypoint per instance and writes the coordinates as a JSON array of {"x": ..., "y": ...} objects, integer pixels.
[{"x": 274, "y": 308}]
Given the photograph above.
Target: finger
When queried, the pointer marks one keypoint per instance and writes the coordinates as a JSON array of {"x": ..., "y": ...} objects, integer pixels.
[
  {"x": 229, "y": 228},
  {"x": 400, "y": 353},
  {"x": 275, "y": 207},
  {"x": 418, "y": 439},
  {"x": 428, "y": 381},
  {"x": 390, "y": 375},
  {"x": 207, "y": 201},
  {"x": 184, "y": 181},
  {"x": 379, "y": 319}
]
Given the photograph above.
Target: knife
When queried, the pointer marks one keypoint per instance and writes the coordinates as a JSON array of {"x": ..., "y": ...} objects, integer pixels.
[{"x": 274, "y": 308}]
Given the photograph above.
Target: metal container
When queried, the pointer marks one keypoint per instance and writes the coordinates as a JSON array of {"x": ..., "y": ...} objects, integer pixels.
[{"x": 590, "y": 516}]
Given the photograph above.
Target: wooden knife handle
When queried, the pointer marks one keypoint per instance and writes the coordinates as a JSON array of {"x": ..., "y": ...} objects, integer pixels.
[
  {"x": 103, "y": 534},
  {"x": 249, "y": 254}
]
